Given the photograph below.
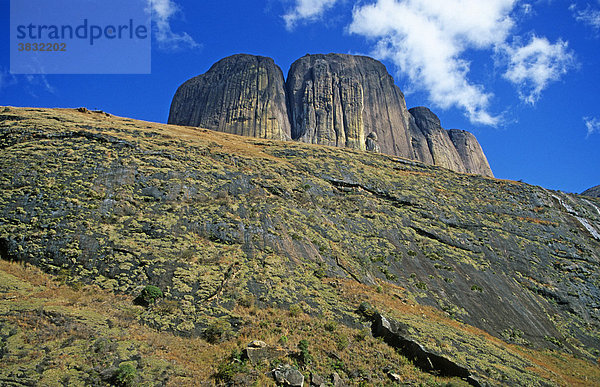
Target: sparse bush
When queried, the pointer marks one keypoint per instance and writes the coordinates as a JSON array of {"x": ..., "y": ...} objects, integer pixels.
[
  {"x": 330, "y": 326},
  {"x": 295, "y": 310},
  {"x": 421, "y": 285},
  {"x": 217, "y": 331},
  {"x": 304, "y": 356},
  {"x": 366, "y": 309},
  {"x": 247, "y": 300},
  {"x": 125, "y": 375},
  {"x": 342, "y": 342},
  {"x": 476, "y": 288},
  {"x": 283, "y": 340},
  {"x": 148, "y": 296}
]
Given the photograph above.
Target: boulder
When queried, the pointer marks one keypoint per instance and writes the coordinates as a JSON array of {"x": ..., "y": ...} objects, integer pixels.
[
  {"x": 258, "y": 351},
  {"x": 288, "y": 376}
]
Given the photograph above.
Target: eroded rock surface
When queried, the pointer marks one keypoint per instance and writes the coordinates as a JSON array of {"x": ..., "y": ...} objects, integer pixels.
[
  {"x": 339, "y": 99},
  {"x": 457, "y": 150},
  {"x": 241, "y": 94},
  {"x": 334, "y": 99}
]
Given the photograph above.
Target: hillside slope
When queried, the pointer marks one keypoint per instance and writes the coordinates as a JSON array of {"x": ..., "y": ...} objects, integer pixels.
[{"x": 489, "y": 274}]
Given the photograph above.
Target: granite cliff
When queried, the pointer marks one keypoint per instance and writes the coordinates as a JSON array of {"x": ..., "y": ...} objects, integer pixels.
[
  {"x": 334, "y": 99},
  {"x": 304, "y": 251},
  {"x": 242, "y": 94}
]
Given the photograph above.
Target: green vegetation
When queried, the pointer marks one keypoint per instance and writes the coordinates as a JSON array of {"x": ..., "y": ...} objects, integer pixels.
[
  {"x": 126, "y": 375},
  {"x": 260, "y": 240},
  {"x": 149, "y": 295}
]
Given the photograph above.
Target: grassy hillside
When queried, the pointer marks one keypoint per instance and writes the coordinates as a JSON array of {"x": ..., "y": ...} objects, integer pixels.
[{"x": 253, "y": 239}]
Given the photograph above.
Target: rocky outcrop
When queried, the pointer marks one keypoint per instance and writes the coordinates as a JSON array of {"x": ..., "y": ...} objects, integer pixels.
[
  {"x": 457, "y": 150},
  {"x": 593, "y": 192},
  {"x": 334, "y": 99},
  {"x": 397, "y": 335},
  {"x": 338, "y": 100},
  {"x": 241, "y": 94}
]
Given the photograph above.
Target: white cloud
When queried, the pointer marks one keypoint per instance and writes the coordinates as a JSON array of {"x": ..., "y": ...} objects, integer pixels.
[
  {"x": 162, "y": 12},
  {"x": 431, "y": 41},
  {"x": 589, "y": 16},
  {"x": 307, "y": 10},
  {"x": 427, "y": 40},
  {"x": 533, "y": 66},
  {"x": 592, "y": 124}
]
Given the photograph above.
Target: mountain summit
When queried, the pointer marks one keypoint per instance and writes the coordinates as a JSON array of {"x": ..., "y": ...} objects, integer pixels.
[{"x": 334, "y": 99}]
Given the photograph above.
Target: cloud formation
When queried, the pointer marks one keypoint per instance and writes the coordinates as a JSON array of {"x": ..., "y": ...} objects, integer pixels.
[
  {"x": 431, "y": 41},
  {"x": 162, "y": 12},
  {"x": 427, "y": 40},
  {"x": 533, "y": 66},
  {"x": 306, "y": 10},
  {"x": 589, "y": 16},
  {"x": 592, "y": 124}
]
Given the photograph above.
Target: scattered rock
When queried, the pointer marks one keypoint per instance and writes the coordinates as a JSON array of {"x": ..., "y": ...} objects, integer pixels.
[
  {"x": 396, "y": 335},
  {"x": 288, "y": 376},
  {"x": 372, "y": 144},
  {"x": 317, "y": 380},
  {"x": 337, "y": 380},
  {"x": 394, "y": 377},
  {"x": 258, "y": 351}
]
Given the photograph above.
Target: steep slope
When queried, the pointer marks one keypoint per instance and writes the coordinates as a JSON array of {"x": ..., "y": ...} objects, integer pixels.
[
  {"x": 339, "y": 99},
  {"x": 240, "y": 94},
  {"x": 594, "y": 192},
  {"x": 485, "y": 273}
]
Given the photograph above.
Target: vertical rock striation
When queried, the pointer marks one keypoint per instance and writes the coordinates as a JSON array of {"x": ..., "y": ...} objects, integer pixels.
[
  {"x": 339, "y": 99},
  {"x": 241, "y": 94},
  {"x": 334, "y": 99},
  {"x": 456, "y": 150}
]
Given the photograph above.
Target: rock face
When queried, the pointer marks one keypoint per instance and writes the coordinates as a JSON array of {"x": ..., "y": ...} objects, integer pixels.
[
  {"x": 339, "y": 99},
  {"x": 241, "y": 94},
  {"x": 455, "y": 149},
  {"x": 397, "y": 335},
  {"x": 593, "y": 192},
  {"x": 334, "y": 99}
]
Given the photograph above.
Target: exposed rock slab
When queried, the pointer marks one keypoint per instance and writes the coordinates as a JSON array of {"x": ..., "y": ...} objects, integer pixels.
[
  {"x": 456, "y": 150},
  {"x": 396, "y": 334},
  {"x": 241, "y": 94},
  {"x": 339, "y": 99},
  {"x": 593, "y": 192}
]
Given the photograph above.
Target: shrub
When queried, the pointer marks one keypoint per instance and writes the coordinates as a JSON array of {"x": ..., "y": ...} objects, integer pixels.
[
  {"x": 125, "y": 375},
  {"x": 217, "y": 331},
  {"x": 295, "y": 310},
  {"x": 342, "y": 342},
  {"x": 305, "y": 356},
  {"x": 366, "y": 309},
  {"x": 330, "y": 326},
  {"x": 148, "y": 296}
]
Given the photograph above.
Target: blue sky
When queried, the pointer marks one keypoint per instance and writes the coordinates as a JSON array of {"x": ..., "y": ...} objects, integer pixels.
[{"x": 523, "y": 76}]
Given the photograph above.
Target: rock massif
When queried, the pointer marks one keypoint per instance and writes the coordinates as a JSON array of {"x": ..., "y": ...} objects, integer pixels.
[
  {"x": 340, "y": 99},
  {"x": 335, "y": 99},
  {"x": 241, "y": 94}
]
